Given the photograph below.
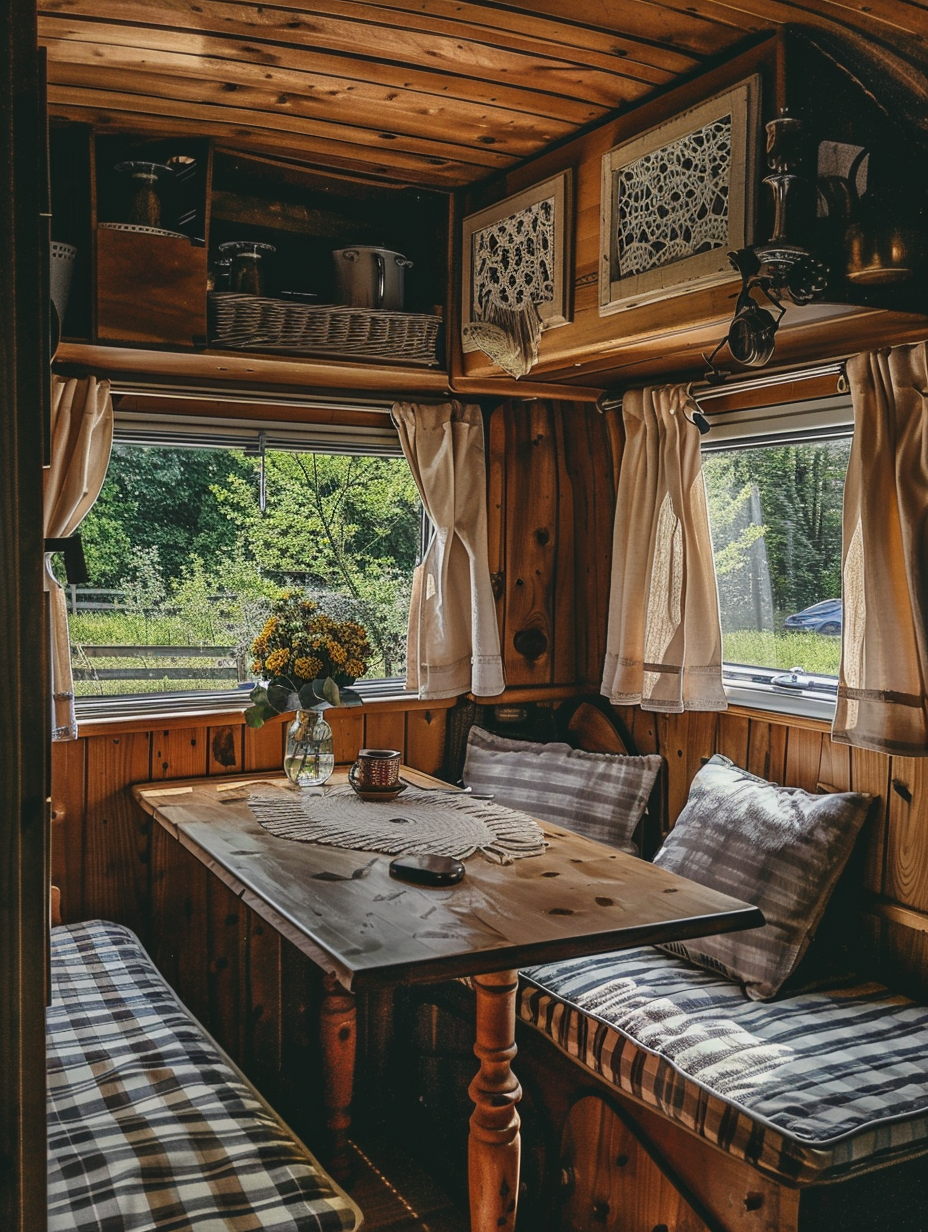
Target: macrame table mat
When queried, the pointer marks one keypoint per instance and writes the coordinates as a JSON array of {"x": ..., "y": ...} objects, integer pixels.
[{"x": 417, "y": 823}]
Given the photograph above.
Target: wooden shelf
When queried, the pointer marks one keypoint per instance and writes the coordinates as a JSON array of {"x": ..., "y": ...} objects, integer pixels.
[
  {"x": 265, "y": 371},
  {"x": 225, "y": 367}
]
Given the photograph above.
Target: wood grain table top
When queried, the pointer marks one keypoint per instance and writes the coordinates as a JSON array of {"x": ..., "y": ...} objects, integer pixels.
[{"x": 342, "y": 908}]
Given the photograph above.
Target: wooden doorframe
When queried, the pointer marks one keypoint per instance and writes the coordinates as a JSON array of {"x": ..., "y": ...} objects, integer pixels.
[{"x": 24, "y": 711}]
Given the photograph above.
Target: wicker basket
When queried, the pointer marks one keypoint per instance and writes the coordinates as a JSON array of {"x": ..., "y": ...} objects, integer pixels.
[{"x": 256, "y": 323}]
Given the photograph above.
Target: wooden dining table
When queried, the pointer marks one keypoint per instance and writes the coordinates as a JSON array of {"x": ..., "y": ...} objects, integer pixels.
[{"x": 366, "y": 930}]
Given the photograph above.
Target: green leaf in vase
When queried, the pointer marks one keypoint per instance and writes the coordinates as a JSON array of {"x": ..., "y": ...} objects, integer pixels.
[
  {"x": 281, "y": 695},
  {"x": 309, "y": 698},
  {"x": 330, "y": 692}
]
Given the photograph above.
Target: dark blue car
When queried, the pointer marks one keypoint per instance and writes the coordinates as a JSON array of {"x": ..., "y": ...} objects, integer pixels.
[{"x": 824, "y": 617}]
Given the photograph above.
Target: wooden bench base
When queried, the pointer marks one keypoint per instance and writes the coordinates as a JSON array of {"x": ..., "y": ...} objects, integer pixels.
[{"x": 596, "y": 1161}]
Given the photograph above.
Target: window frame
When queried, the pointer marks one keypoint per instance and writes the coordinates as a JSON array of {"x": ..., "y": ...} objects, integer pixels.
[
  {"x": 801, "y": 422},
  {"x": 143, "y": 428}
]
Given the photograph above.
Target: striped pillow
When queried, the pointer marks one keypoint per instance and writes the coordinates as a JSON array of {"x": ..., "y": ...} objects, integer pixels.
[
  {"x": 599, "y": 795},
  {"x": 777, "y": 847}
]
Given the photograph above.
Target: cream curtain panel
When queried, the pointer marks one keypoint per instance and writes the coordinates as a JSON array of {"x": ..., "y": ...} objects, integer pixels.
[
  {"x": 82, "y": 435},
  {"x": 883, "y": 686},
  {"x": 664, "y": 640},
  {"x": 453, "y": 644}
]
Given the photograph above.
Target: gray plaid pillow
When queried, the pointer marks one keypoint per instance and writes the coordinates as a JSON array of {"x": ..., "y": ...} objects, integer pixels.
[
  {"x": 599, "y": 795},
  {"x": 777, "y": 847}
]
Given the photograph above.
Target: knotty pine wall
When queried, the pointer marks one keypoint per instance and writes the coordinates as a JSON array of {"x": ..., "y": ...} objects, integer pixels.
[{"x": 551, "y": 502}]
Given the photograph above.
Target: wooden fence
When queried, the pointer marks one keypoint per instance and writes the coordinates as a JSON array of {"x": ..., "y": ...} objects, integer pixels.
[
  {"x": 226, "y": 665},
  {"x": 91, "y": 599}
]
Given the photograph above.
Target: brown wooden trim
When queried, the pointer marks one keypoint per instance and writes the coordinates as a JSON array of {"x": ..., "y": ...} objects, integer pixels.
[
  {"x": 237, "y": 369},
  {"x": 506, "y": 387},
  {"x": 235, "y": 718},
  {"x": 233, "y": 369},
  {"x": 25, "y": 714},
  {"x": 777, "y": 717},
  {"x": 906, "y": 916},
  {"x": 233, "y": 410}
]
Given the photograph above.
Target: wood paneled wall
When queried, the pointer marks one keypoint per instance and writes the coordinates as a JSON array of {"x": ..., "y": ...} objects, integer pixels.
[
  {"x": 890, "y": 867},
  {"x": 255, "y": 992},
  {"x": 551, "y": 508}
]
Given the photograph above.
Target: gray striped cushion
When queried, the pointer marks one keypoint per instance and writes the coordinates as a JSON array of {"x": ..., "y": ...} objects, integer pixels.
[
  {"x": 599, "y": 795},
  {"x": 810, "y": 1088},
  {"x": 777, "y": 847},
  {"x": 149, "y": 1126}
]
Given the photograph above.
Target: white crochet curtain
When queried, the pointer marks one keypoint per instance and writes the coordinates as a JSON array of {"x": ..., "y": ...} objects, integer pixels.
[
  {"x": 883, "y": 686},
  {"x": 664, "y": 640},
  {"x": 82, "y": 435},
  {"x": 453, "y": 643}
]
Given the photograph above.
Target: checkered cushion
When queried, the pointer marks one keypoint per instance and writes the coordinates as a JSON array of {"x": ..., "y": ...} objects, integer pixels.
[
  {"x": 814, "y": 1087},
  {"x": 149, "y": 1125},
  {"x": 599, "y": 795},
  {"x": 780, "y": 848}
]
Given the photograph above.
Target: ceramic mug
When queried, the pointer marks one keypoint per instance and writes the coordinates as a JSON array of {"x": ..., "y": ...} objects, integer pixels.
[{"x": 376, "y": 770}]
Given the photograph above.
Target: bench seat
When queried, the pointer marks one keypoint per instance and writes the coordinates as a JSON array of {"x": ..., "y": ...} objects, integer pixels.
[
  {"x": 150, "y": 1125},
  {"x": 815, "y": 1087}
]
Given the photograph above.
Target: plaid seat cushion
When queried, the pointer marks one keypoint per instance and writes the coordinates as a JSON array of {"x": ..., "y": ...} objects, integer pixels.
[
  {"x": 599, "y": 795},
  {"x": 814, "y": 1087},
  {"x": 149, "y": 1125}
]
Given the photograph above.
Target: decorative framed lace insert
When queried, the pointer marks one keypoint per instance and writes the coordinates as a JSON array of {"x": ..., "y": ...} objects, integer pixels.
[
  {"x": 515, "y": 282},
  {"x": 677, "y": 199}
]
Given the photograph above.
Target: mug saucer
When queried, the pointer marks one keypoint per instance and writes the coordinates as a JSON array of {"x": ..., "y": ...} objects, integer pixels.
[{"x": 380, "y": 793}]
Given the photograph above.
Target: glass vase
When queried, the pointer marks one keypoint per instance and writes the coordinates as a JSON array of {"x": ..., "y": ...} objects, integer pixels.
[{"x": 309, "y": 759}]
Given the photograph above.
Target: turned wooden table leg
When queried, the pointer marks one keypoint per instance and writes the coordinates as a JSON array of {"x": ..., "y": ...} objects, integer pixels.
[
  {"x": 337, "y": 1031},
  {"x": 493, "y": 1155}
]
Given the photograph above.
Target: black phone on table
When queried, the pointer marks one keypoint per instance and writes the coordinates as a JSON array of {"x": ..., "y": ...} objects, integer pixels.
[{"x": 427, "y": 870}]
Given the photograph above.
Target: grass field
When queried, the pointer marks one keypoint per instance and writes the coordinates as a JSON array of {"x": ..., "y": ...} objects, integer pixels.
[{"x": 814, "y": 652}]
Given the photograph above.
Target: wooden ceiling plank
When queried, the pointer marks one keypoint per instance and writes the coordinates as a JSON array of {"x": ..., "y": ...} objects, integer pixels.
[
  {"x": 560, "y": 31},
  {"x": 316, "y": 178},
  {"x": 892, "y": 16},
  {"x": 287, "y": 150},
  {"x": 326, "y": 97},
  {"x": 475, "y": 23},
  {"x": 693, "y": 29},
  {"x": 885, "y": 20},
  {"x": 112, "y": 114},
  {"x": 271, "y": 109},
  {"x": 248, "y": 21},
  {"x": 146, "y": 105},
  {"x": 576, "y": 112}
]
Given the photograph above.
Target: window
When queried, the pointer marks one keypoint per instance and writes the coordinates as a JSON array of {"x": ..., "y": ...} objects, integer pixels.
[
  {"x": 775, "y": 484},
  {"x": 201, "y": 523}
]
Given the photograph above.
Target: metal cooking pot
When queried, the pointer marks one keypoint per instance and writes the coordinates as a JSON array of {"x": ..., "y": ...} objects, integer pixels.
[{"x": 368, "y": 277}]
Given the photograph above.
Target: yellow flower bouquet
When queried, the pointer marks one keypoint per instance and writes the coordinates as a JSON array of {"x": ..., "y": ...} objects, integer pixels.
[{"x": 306, "y": 659}]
